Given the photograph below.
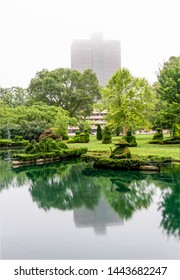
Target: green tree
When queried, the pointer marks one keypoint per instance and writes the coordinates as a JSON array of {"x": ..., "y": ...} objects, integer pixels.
[
  {"x": 74, "y": 91},
  {"x": 31, "y": 121},
  {"x": 61, "y": 123},
  {"x": 128, "y": 100},
  {"x": 168, "y": 92},
  {"x": 14, "y": 96}
]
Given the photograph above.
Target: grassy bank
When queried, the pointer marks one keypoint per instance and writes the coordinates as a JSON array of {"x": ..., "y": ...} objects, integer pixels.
[{"x": 143, "y": 148}]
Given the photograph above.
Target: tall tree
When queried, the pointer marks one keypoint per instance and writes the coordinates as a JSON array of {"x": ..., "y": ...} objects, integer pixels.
[
  {"x": 168, "y": 91},
  {"x": 14, "y": 96},
  {"x": 128, "y": 100},
  {"x": 74, "y": 91}
]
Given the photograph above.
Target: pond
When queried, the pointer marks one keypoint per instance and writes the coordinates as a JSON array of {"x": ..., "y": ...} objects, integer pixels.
[{"x": 69, "y": 210}]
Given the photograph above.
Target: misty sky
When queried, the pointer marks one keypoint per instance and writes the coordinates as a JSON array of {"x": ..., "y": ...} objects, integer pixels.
[{"x": 37, "y": 34}]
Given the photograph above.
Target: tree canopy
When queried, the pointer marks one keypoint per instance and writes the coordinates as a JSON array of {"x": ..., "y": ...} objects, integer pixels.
[
  {"x": 168, "y": 92},
  {"x": 74, "y": 91},
  {"x": 128, "y": 100},
  {"x": 14, "y": 96},
  {"x": 31, "y": 121}
]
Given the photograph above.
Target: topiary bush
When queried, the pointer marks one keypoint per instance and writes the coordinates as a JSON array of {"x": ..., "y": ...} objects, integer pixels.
[
  {"x": 158, "y": 134},
  {"x": 155, "y": 142},
  {"x": 53, "y": 155},
  {"x": 80, "y": 138},
  {"x": 106, "y": 135},
  {"x": 118, "y": 163},
  {"x": 99, "y": 132},
  {"x": 45, "y": 145},
  {"x": 131, "y": 139},
  {"x": 11, "y": 143}
]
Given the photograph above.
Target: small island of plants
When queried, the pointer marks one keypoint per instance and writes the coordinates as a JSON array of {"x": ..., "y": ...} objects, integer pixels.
[{"x": 46, "y": 150}]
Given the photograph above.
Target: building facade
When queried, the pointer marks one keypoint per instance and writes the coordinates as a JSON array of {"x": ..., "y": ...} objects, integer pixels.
[{"x": 102, "y": 56}]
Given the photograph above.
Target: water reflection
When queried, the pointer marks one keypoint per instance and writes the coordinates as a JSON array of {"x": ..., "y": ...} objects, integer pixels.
[
  {"x": 170, "y": 203},
  {"x": 99, "y": 219},
  {"x": 98, "y": 198}
]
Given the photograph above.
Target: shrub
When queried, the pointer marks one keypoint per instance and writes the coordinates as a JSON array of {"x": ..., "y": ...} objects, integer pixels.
[
  {"x": 155, "y": 142},
  {"x": 158, "y": 134},
  {"x": 117, "y": 163},
  {"x": 80, "y": 138},
  {"x": 56, "y": 154},
  {"x": 5, "y": 142},
  {"x": 78, "y": 132},
  {"x": 10, "y": 143},
  {"x": 106, "y": 136},
  {"x": 18, "y": 138},
  {"x": 99, "y": 132},
  {"x": 130, "y": 139},
  {"x": 171, "y": 141},
  {"x": 45, "y": 145}
]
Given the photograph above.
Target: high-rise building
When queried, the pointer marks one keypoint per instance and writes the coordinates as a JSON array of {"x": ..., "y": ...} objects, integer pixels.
[{"x": 102, "y": 56}]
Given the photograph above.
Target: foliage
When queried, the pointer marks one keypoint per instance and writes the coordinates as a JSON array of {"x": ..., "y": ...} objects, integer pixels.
[
  {"x": 106, "y": 135},
  {"x": 80, "y": 138},
  {"x": 118, "y": 163},
  {"x": 84, "y": 125},
  {"x": 131, "y": 139},
  {"x": 168, "y": 92},
  {"x": 74, "y": 91},
  {"x": 45, "y": 145},
  {"x": 170, "y": 204},
  {"x": 56, "y": 154},
  {"x": 99, "y": 132},
  {"x": 120, "y": 152},
  {"x": 10, "y": 143},
  {"x": 176, "y": 130},
  {"x": 143, "y": 148},
  {"x": 48, "y": 148},
  {"x": 171, "y": 141},
  {"x": 61, "y": 123},
  {"x": 30, "y": 121},
  {"x": 158, "y": 134},
  {"x": 155, "y": 141},
  {"x": 14, "y": 96},
  {"x": 129, "y": 101}
]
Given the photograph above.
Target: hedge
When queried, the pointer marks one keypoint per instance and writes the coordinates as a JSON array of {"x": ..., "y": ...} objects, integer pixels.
[{"x": 56, "y": 154}]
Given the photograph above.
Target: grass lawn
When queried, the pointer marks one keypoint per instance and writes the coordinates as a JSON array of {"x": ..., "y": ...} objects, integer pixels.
[{"x": 143, "y": 148}]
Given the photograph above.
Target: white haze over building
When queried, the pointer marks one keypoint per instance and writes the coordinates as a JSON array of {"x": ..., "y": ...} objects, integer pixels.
[{"x": 37, "y": 34}]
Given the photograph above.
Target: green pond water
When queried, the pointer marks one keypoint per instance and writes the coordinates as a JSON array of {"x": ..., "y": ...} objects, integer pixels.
[{"x": 69, "y": 210}]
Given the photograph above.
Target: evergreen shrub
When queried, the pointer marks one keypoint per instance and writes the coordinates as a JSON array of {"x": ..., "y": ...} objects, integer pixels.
[
  {"x": 99, "y": 132},
  {"x": 80, "y": 138},
  {"x": 106, "y": 136},
  {"x": 131, "y": 139}
]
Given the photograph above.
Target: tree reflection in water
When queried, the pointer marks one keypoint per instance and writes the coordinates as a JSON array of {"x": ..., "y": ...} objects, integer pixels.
[
  {"x": 170, "y": 204},
  {"x": 125, "y": 191},
  {"x": 71, "y": 185},
  {"x": 8, "y": 178}
]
